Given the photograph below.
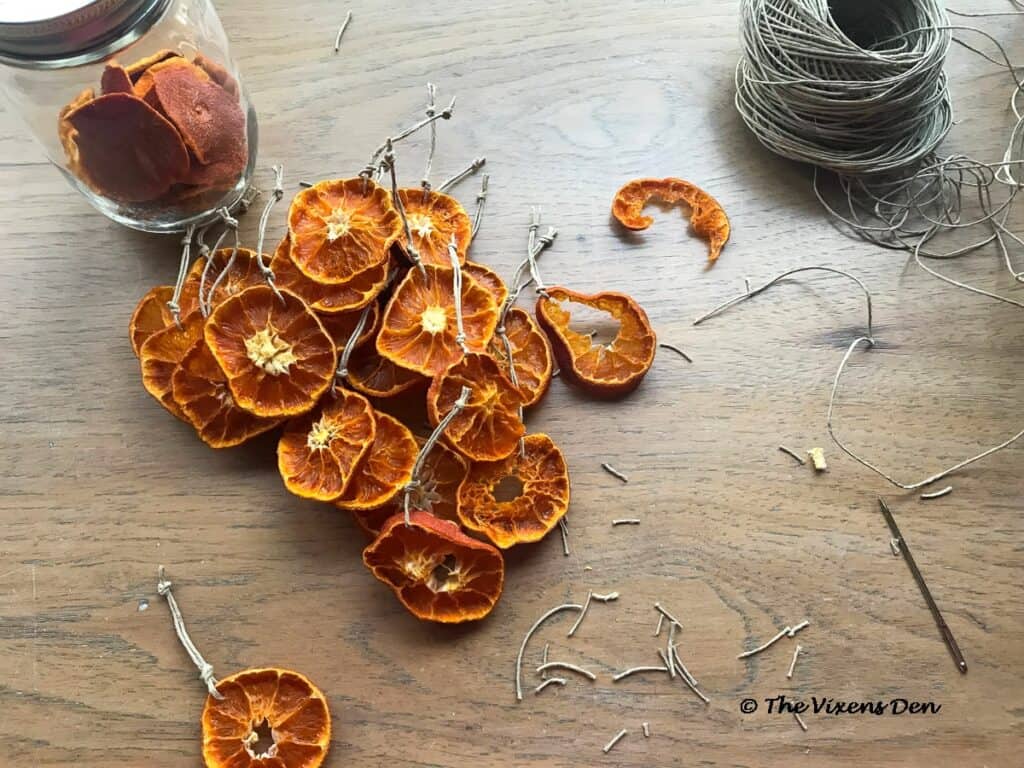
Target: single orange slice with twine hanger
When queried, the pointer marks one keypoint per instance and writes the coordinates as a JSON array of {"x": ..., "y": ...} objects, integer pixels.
[
  {"x": 200, "y": 389},
  {"x": 422, "y": 330},
  {"x": 151, "y": 315},
  {"x": 530, "y": 351},
  {"x": 487, "y": 278},
  {"x": 489, "y": 427},
  {"x": 437, "y": 572},
  {"x": 434, "y": 218},
  {"x": 518, "y": 499},
  {"x": 160, "y": 355},
  {"x": 706, "y": 215},
  {"x": 386, "y": 468},
  {"x": 274, "y": 350},
  {"x": 325, "y": 298},
  {"x": 340, "y": 228},
  {"x": 254, "y": 706},
  {"x": 602, "y": 369},
  {"x": 319, "y": 453}
]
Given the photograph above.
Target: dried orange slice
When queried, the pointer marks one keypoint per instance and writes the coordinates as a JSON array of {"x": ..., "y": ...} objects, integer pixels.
[
  {"x": 488, "y": 429},
  {"x": 188, "y": 302},
  {"x": 160, "y": 355},
  {"x": 437, "y": 571},
  {"x": 275, "y": 352},
  {"x": 126, "y": 150},
  {"x": 341, "y": 325},
  {"x": 244, "y": 273},
  {"x": 200, "y": 389},
  {"x": 151, "y": 315},
  {"x": 256, "y": 701},
  {"x": 419, "y": 329},
  {"x": 602, "y": 369},
  {"x": 341, "y": 228},
  {"x": 356, "y": 293},
  {"x": 376, "y": 376},
  {"x": 115, "y": 79},
  {"x": 440, "y": 476},
  {"x": 519, "y": 499},
  {"x": 386, "y": 468},
  {"x": 489, "y": 279},
  {"x": 706, "y": 215},
  {"x": 319, "y": 453},
  {"x": 531, "y": 354},
  {"x": 434, "y": 218}
]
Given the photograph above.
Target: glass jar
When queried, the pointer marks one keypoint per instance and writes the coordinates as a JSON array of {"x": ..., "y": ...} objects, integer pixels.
[{"x": 137, "y": 102}]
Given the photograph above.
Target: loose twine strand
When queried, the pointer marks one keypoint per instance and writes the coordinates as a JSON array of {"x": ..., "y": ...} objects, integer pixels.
[
  {"x": 163, "y": 588},
  {"x": 174, "y": 305},
  {"x": 431, "y": 111},
  {"x": 414, "y": 484},
  {"x": 460, "y": 332}
]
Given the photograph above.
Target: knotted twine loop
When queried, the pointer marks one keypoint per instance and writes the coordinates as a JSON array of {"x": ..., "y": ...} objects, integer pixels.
[
  {"x": 174, "y": 305},
  {"x": 460, "y": 335},
  {"x": 531, "y": 256},
  {"x": 431, "y": 111},
  {"x": 375, "y": 167},
  {"x": 163, "y": 588},
  {"x": 414, "y": 485},
  {"x": 342, "y": 373},
  {"x": 276, "y": 195},
  {"x": 410, "y": 249},
  {"x": 206, "y": 297},
  {"x": 481, "y": 199}
]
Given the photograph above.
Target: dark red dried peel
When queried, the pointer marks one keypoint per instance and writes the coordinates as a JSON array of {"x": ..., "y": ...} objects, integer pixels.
[{"x": 115, "y": 79}]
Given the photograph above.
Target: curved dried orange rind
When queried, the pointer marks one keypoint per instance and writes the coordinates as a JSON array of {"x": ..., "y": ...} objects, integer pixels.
[
  {"x": 531, "y": 354},
  {"x": 137, "y": 68},
  {"x": 341, "y": 325},
  {"x": 440, "y": 476},
  {"x": 436, "y": 571},
  {"x": 542, "y": 499},
  {"x": 419, "y": 328},
  {"x": 434, "y": 218},
  {"x": 356, "y": 293},
  {"x": 488, "y": 428},
  {"x": 151, "y": 315},
  {"x": 200, "y": 389},
  {"x": 340, "y": 228},
  {"x": 293, "y": 708},
  {"x": 386, "y": 468},
  {"x": 376, "y": 376},
  {"x": 126, "y": 150},
  {"x": 602, "y": 370},
  {"x": 489, "y": 279},
  {"x": 160, "y": 355},
  {"x": 707, "y": 217},
  {"x": 276, "y": 355},
  {"x": 319, "y": 453}
]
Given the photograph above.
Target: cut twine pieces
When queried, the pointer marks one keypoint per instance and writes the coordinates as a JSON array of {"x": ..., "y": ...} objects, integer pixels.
[{"x": 163, "y": 588}]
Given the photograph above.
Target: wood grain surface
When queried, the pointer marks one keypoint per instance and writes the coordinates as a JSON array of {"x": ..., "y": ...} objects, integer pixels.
[{"x": 567, "y": 101}]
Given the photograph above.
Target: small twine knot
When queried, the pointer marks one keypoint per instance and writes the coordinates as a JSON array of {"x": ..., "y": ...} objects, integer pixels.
[
  {"x": 500, "y": 330},
  {"x": 206, "y": 675},
  {"x": 229, "y": 221},
  {"x": 163, "y": 587}
]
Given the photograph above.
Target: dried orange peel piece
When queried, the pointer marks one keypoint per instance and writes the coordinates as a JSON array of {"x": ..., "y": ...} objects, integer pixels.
[
  {"x": 531, "y": 355},
  {"x": 362, "y": 288},
  {"x": 487, "y": 278},
  {"x": 319, "y": 453},
  {"x": 293, "y": 709},
  {"x": 385, "y": 469},
  {"x": 440, "y": 476},
  {"x": 488, "y": 428},
  {"x": 160, "y": 355},
  {"x": 200, "y": 389},
  {"x": 419, "y": 329},
  {"x": 275, "y": 352},
  {"x": 707, "y": 217},
  {"x": 539, "y": 494},
  {"x": 603, "y": 370},
  {"x": 436, "y": 571},
  {"x": 434, "y": 218},
  {"x": 151, "y": 315},
  {"x": 115, "y": 79},
  {"x": 340, "y": 228}
]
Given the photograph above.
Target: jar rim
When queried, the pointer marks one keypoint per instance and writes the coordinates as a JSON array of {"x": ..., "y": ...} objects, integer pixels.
[{"x": 85, "y": 34}]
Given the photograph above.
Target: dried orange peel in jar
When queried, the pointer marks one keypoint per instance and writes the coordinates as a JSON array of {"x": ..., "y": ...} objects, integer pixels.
[
  {"x": 385, "y": 469},
  {"x": 518, "y": 499},
  {"x": 602, "y": 369},
  {"x": 488, "y": 428},
  {"x": 160, "y": 355},
  {"x": 531, "y": 355},
  {"x": 420, "y": 329},
  {"x": 340, "y": 228},
  {"x": 707, "y": 217},
  {"x": 436, "y": 571},
  {"x": 319, "y": 453},
  {"x": 275, "y": 352},
  {"x": 324, "y": 298},
  {"x": 434, "y": 219},
  {"x": 284, "y": 702}
]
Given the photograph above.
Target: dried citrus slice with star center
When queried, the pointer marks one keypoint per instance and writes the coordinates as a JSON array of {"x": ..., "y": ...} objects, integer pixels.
[
  {"x": 531, "y": 354},
  {"x": 340, "y": 228},
  {"x": 275, "y": 352},
  {"x": 200, "y": 389},
  {"x": 151, "y": 315},
  {"x": 488, "y": 429},
  {"x": 267, "y": 718},
  {"x": 436, "y": 571},
  {"x": 434, "y": 219},
  {"x": 519, "y": 499},
  {"x": 603, "y": 369},
  {"x": 386, "y": 468},
  {"x": 160, "y": 355},
  {"x": 319, "y": 453},
  {"x": 420, "y": 329},
  {"x": 706, "y": 215},
  {"x": 362, "y": 288}
]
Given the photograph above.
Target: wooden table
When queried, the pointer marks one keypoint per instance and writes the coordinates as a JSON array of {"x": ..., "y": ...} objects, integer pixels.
[{"x": 567, "y": 101}]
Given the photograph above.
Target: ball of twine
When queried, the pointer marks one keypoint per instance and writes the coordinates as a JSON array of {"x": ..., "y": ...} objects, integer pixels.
[{"x": 853, "y": 86}]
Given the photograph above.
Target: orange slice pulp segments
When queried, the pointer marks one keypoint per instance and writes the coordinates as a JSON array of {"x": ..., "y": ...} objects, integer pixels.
[
  {"x": 151, "y": 315},
  {"x": 434, "y": 218},
  {"x": 362, "y": 288},
  {"x": 531, "y": 354},
  {"x": 386, "y": 468}
]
